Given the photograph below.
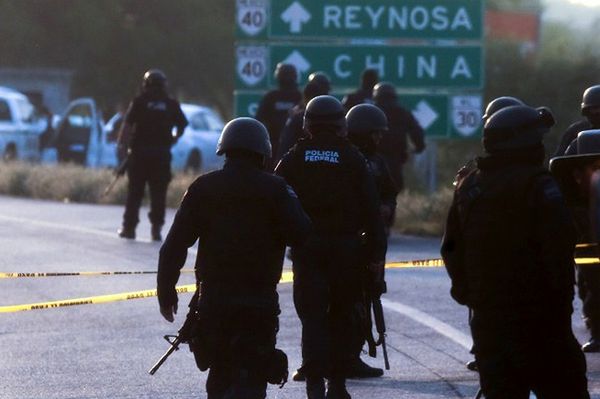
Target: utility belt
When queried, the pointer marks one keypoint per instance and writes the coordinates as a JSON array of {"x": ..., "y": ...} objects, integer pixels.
[{"x": 212, "y": 344}]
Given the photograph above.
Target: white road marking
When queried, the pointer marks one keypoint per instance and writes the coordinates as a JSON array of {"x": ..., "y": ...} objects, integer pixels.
[
  {"x": 74, "y": 229},
  {"x": 437, "y": 325}
]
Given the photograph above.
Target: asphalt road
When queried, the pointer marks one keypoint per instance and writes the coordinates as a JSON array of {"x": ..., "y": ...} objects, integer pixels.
[{"x": 105, "y": 350}]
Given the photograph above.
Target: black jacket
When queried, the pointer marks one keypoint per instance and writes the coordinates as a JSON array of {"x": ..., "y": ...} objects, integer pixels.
[
  {"x": 336, "y": 189},
  {"x": 509, "y": 239},
  {"x": 292, "y": 131},
  {"x": 243, "y": 218},
  {"x": 153, "y": 115},
  {"x": 274, "y": 109},
  {"x": 402, "y": 126}
]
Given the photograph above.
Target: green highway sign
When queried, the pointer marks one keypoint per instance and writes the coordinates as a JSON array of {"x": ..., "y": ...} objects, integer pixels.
[
  {"x": 431, "y": 67},
  {"x": 362, "y": 19},
  {"x": 440, "y": 115}
]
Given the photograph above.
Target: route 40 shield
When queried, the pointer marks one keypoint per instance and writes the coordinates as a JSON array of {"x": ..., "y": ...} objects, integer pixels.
[
  {"x": 252, "y": 64},
  {"x": 252, "y": 16}
]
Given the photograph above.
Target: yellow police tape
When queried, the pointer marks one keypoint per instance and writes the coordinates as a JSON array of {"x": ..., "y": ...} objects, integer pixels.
[
  {"x": 87, "y": 274},
  {"x": 286, "y": 277}
]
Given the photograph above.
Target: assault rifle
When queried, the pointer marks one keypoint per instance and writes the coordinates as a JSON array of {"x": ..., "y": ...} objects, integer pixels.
[
  {"x": 182, "y": 336},
  {"x": 374, "y": 287},
  {"x": 119, "y": 171}
]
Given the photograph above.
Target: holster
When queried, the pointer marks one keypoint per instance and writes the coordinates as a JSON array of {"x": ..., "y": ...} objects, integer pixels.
[
  {"x": 277, "y": 367},
  {"x": 203, "y": 343}
]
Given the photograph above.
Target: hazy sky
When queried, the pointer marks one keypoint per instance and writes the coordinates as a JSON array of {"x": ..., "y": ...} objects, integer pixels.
[{"x": 589, "y": 3}]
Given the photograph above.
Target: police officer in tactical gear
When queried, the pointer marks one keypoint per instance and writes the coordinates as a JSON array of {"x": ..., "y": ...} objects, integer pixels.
[
  {"x": 366, "y": 125},
  {"x": 338, "y": 193},
  {"x": 402, "y": 125},
  {"x": 590, "y": 109},
  {"x": 275, "y": 106},
  {"x": 243, "y": 218},
  {"x": 147, "y": 135},
  {"x": 508, "y": 249},
  {"x": 318, "y": 84},
  {"x": 574, "y": 172},
  {"x": 368, "y": 79}
]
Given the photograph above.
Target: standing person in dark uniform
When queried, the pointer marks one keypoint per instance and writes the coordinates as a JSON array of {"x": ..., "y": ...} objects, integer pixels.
[
  {"x": 590, "y": 109},
  {"x": 508, "y": 249},
  {"x": 275, "y": 106},
  {"x": 318, "y": 85},
  {"x": 573, "y": 172},
  {"x": 147, "y": 136},
  {"x": 368, "y": 79},
  {"x": 366, "y": 125},
  {"x": 338, "y": 193},
  {"x": 402, "y": 125},
  {"x": 243, "y": 218}
]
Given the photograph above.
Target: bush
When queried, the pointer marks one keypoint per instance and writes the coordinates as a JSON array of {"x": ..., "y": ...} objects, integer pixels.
[{"x": 72, "y": 183}]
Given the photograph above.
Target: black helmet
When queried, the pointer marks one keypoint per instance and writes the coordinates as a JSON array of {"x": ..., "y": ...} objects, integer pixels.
[
  {"x": 366, "y": 118},
  {"x": 154, "y": 78},
  {"x": 384, "y": 91},
  {"x": 369, "y": 78},
  {"x": 321, "y": 79},
  {"x": 311, "y": 90},
  {"x": 591, "y": 98},
  {"x": 516, "y": 127},
  {"x": 245, "y": 134},
  {"x": 583, "y": 150},
  {"x": 286, "y": 73},
  {"x": 498, "y": 103},
  {"x": 325, "y": 111}
]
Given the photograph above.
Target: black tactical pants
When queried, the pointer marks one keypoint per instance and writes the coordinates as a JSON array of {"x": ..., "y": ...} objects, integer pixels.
[
  {"x": 529, "y": 352},
  {"x": 588, "y": 284},
  {"x": 153, "y": 168},
  {"x": 240, "y": 340},
  {"x": 326, "y": 288}
]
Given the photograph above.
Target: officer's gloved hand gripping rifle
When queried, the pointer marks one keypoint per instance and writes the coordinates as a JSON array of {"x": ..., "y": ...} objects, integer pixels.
[{"x": 373, "y": 287}]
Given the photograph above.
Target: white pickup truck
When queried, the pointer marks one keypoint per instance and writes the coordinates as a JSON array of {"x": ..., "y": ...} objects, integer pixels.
[{"x": 19, "y": 128}]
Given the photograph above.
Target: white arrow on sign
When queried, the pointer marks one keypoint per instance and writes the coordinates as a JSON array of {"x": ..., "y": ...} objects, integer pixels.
[
  {"x": 424, "y": 114},
  {"x": 296, "y": 59},
  {"x": 295, "y": 15}
]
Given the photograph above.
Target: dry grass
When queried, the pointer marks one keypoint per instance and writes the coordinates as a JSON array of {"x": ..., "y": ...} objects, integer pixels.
[
  {"x": 422, "y": 214},
  {"x": 71, "y": 183},
  {"x": 417, "y": 213}
]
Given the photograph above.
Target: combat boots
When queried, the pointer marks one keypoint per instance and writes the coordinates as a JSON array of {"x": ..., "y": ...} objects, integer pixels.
[
  {"x": 315, "y": 388},
  {"x": 359, "y": 369},
  {"x": 127, "y": 232},
  {"x": 156, "y": 236},
  {"x": 336, "y": 389}
]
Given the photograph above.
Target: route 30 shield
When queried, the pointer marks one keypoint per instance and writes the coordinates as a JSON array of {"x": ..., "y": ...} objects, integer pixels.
[{"x": 466, "y": 114}]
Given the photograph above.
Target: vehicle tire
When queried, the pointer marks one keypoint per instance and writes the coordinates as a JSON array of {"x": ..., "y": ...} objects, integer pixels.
[
  {"x": 10, "y": 154},
  {"x": 194, "y": 162}
]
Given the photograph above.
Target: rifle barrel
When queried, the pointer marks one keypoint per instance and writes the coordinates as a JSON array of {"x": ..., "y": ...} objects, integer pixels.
[{"x": 173, "y": 348}]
